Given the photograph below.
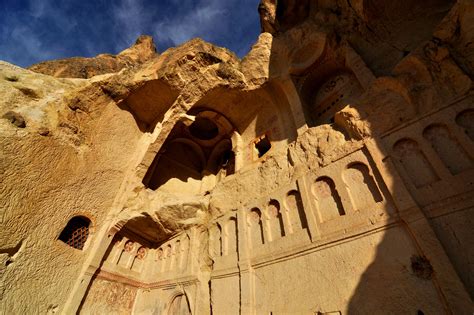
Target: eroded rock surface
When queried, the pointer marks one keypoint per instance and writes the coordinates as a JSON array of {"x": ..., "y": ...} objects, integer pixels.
[
  {"x": 78, "y": 67},
  {"x": 327, "y": 172}
]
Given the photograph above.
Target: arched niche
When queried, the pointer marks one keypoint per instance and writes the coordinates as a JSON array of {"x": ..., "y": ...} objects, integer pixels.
[
  {"x": 451, "y": 153},
  {"x": 465, "y": 120},
  {"x": 138, "y": 260},
  {"x": 185, "y": 243},
  {"x": 329, "y": 204},
  {"x": 275, "y": 223},
  {"x": 177, "y": 251},
  {"x": 160, "y": 259},
  {"x": 331, "y": 83},
  {"x": 215, "y": 240},
  {"x": 254, "y": 220},
  {"x": 361, "y": 185},
  {"x": 295, "y": 211},
  {"x": 230, "y": 237},
  {"x": 179, "y": 305},
  {"x": 127, "y": 254},
  {"x": 333, "y": 95},
  {"x": 169, "y": 257},
  {"x": 415, "y": 163}
]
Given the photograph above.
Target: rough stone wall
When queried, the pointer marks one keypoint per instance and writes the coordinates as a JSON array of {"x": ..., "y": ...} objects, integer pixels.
[{"x": 343, "y": 186}]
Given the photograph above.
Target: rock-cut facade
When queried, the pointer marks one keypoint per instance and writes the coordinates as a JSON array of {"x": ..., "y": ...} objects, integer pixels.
[{"x": 329, "y": 171}]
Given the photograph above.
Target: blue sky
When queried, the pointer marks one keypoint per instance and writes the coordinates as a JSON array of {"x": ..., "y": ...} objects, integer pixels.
[{"x": 36, "y": 30}]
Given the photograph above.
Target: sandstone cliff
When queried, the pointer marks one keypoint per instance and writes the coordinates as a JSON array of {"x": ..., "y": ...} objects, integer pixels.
[
  {"x": 329, "y": 171},
  {"x": 78, "y": 67}
]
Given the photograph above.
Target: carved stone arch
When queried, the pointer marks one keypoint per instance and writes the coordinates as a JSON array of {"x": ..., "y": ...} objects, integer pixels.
[
  {"x": 179, "y": 304},
  {"x": 127, "y": 255},
  {"x": 209, "y": 127},
  {"x": 448, "y": 149},
  {"x": 195, "y": 147},
  {"x": 184, "y": 251},
  {"x": 333, "y": 95},
  {"x": 392, "y": 104},
  {"x": 200, "y": 144},
  {"x": 168, "y": 251},
  {"x": 327, "y": 87},
  {"x": 138, "y": 260},
  {"x": 255, "y": 223},
  {"x": 215, "y": 240},
  {"x": 329, "y": 204},
  {"x": 221, "y": 155},
  {"x": 296, "y": 214},
  {"x": 361, "y": 186},
  {"x": 169, "y": 265},
  {"x": 413, "y": 160},
  {"x": 275, "y": 223},
  {"x": 230, "y": 238}
]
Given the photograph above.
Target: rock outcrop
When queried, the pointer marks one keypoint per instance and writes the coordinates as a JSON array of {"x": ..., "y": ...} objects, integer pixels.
[
  {"x": 327, "y": 172},
  {"x": 78, "y": 67}
]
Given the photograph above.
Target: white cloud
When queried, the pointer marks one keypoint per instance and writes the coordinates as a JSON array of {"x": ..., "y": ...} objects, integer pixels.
[
  {"x": 195, "y": 21},
  {"x": 131, "y": 16},
  {"x": 27, "y": 43}
]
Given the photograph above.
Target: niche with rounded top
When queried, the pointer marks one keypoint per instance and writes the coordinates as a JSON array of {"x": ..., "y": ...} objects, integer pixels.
[
  {"x": 333, "y": 95},
  {"x": 255, "y": 227},
  {"x": 362, "y": 188},
  {"x": 448, "y": 149},
  {"x": 275, "y": 220},
  {"x": 230, "y": 245},
  {"x": 297, "y": 217},
  {"x": 415, "y": 163},
  {"x": 179, "y": 305},
  {"x": 215, "y": 240},
  {"x": 329, "y": 204}
]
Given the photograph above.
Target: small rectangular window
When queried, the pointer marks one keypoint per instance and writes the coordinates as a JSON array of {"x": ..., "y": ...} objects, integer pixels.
[{"x": 262, "y": 145}]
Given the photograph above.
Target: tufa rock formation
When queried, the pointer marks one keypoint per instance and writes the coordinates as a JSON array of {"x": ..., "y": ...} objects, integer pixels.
[
  {"x": 143, "y": 50},
  {"x": 330, "y": 171}
]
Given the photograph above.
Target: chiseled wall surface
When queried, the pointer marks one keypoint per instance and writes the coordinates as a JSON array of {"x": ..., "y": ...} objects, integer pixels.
[
  {"x": 74, "y": 168},
  {"x": 324, "y": 280},
  {"x": 344, "y": 185}
]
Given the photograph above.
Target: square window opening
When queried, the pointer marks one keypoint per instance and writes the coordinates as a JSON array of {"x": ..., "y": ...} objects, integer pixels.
[{"x": 262, "y": 146}]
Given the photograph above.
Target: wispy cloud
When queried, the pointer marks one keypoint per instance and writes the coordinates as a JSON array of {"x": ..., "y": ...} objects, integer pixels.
[
  {"x": 198, "y": 20},
  {"x": 131, "y": 18},
  {"x": 36, "y": 30}
]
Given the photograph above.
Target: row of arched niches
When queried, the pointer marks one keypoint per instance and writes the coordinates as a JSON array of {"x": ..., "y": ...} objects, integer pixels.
[
  {"x": 321, "y": 205},
  {"x": 324, "y": 205},
  {"x": 434, "y": 155}
]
